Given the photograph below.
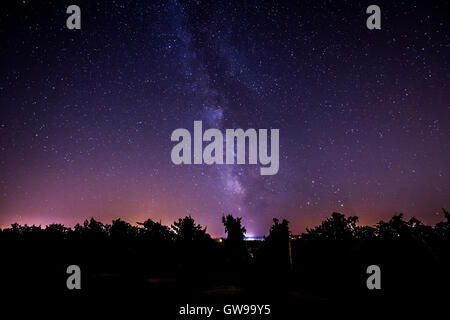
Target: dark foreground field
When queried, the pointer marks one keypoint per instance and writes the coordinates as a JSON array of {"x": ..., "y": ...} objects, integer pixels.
[{"x": 156, "y": 271}]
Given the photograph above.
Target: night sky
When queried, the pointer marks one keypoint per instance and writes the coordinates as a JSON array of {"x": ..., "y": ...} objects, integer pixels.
[{"x": 86, "y": 115}]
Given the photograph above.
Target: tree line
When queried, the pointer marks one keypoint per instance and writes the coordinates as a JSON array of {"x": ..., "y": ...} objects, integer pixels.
[
  {"x": 329, "y": 259},
  {"x": 336, "y": 227}
]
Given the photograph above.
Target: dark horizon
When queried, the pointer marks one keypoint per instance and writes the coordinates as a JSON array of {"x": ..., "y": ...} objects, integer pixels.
[
  {"x": 139, "y": 224},
  {"x": 325, "y": 269}
]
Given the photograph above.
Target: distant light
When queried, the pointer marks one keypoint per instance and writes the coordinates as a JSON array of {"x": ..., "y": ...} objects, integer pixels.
[{"x": 253, "y": 238}]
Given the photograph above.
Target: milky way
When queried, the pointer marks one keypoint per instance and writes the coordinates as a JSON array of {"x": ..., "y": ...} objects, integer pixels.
[{"x": 86, "y": 115}]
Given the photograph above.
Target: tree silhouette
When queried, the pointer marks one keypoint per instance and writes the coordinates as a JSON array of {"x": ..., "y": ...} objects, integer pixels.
[
  {"x": 156, "y": 232},
  {"x": 234, "y": 229},
  {"x": 91, "y": 230},
  {"x": 279, "y": 232},
  {"x": 122, "y": 231},
  {"x": 365, "y": 233},
  {"x": 236, "y": 250},
  {"x": 338, "y": 227},
  {"x": 276, "y": 248},
  {"x": 442, "y": 229},
  {"x": 193, "y": 246},
  {"x": 187, "y": 231}
]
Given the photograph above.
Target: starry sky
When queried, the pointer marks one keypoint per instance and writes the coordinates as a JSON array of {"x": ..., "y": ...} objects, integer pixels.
[{"x": 86, "y": 115}]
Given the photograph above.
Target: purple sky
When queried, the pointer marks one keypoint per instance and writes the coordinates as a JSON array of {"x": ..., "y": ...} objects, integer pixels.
[{"x": 86, "y": 115}]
